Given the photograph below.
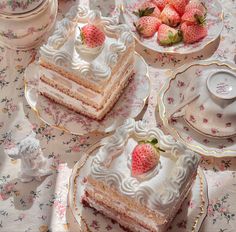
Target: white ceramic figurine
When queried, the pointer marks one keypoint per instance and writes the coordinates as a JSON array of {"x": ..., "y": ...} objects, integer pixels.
[{"x": 22, "y": 144}]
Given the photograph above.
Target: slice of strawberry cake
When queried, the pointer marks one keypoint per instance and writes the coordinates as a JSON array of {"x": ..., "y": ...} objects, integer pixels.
[
  {"x": 87, "y": 62},
  {"x": 140, "y": 177}
]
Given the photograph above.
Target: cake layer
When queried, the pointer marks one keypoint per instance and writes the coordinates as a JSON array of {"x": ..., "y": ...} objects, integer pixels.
[
  {"x": 122, "y": 219},
  {"x": 80, "y": 107},
  {"x": 79, "y": 92}
]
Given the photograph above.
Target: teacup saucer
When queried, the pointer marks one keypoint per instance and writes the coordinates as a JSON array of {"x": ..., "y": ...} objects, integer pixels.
[{"x": 207, "y": 123}]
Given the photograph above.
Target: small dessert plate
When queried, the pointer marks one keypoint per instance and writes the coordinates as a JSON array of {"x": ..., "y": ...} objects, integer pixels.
[
  {"x": 207, "y": 123},
  {"x": 130, "y": 104},
  {"x": 193, "y": 210},
  {"x": 214, "y": 21}
]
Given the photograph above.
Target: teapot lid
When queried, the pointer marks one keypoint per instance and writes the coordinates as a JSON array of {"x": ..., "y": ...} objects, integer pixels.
[{"x": 19, "y": 6}]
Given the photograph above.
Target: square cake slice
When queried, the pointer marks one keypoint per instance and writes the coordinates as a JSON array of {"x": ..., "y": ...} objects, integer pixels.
[
  {"x": 87, "y": 62},
  {"x": 140, "y": 177}
]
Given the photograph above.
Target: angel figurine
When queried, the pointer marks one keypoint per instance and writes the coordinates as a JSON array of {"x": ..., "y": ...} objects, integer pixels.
[{"x": 25, "y": 146}]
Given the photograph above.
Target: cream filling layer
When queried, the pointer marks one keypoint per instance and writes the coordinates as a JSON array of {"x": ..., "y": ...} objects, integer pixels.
[
  {"x": 84, "y": 94},
  {"x": 119, "y": 207},
  {"x": 122, "y": 220},
  {"x": 79, "y": 105}
]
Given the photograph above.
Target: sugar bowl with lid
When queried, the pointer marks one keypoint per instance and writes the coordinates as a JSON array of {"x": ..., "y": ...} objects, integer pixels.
[
  {"x": 24, "y": 24},
  {"x": 18, "y": 6}
]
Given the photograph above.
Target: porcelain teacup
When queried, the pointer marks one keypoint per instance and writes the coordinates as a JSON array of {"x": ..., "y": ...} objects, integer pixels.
[{"x": 213, "y": 113}]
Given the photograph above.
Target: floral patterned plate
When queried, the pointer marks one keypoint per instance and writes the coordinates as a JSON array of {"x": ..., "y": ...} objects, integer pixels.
[
  {"x": 188, "y": 219},
  {"x": 214, "y": 21},
  {"x": 171, "y": 96},
  {"x": 130, "y": 104}
]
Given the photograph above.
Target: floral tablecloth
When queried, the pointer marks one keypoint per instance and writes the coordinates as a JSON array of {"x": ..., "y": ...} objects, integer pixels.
[{"x": 42, "y": 206}]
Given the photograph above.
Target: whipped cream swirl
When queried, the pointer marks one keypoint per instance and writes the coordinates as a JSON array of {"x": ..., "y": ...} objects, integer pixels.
[
  {"x": 94, "y": 17},
  {"x": 112, "y": 59}
]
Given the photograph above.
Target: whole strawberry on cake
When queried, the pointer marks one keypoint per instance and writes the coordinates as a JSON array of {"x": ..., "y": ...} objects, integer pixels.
[
  {"x": 140, "y": 177},
  {"x": 173, "y": 21},
  {"x": 87, "y": 62}
]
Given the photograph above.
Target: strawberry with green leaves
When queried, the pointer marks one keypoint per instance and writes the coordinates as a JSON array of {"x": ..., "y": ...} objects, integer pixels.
[
  {"x": 92, "y": 36},
  {"x": 147, "y": 9},
  {"x": 179, "y": 5},
  {"x": 147, "y": 26},
  {"x": 145, "y": 157},
  {"x": 168, "y": 35},
  {"x": 194, "y": 16},
  {"x": 193, "y": 33},
  {"x": 170, "y": 16}
]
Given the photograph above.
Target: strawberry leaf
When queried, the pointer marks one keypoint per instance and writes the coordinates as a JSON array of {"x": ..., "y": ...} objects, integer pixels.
[
  {"x": 144, "y": 12},
  {"x": 148, "y": 11},
  {"x": 139, "y": 28},
  {"x": 154, "y": 141},
  {"x": 201, "y": 20},
  {"x": 136, "y": 13}
]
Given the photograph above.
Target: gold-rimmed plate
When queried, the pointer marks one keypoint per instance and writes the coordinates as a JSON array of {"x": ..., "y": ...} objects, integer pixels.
[
  {"x": 170, "y": 97},
  {"x": 192, "y": 212},
  {"x": 214, "y": 23},
  {"x": 129, "y": 105}
]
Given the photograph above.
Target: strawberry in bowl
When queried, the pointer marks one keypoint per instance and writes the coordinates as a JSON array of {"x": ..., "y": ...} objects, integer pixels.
[
  {"x": 147, "y": 26},
  {"x": 193, "y": 32},
  {"x": 172, "y": 21},
  {"x": 170, "y": 16},
  {"x": 168, "y": 35}
]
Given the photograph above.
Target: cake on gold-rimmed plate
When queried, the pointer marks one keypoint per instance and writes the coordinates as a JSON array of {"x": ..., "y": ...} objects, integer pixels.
[
  {"x": 116, "y": 184},
  {"x": 87, "y": 62},
  {"x": 108, "y": 84}
]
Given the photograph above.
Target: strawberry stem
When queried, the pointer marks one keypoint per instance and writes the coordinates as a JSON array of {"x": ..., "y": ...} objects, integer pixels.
[{"x": 153, "y": 142}]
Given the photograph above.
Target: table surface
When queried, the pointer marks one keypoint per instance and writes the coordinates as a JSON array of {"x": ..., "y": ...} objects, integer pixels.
[{"x": 42, "y": 206}]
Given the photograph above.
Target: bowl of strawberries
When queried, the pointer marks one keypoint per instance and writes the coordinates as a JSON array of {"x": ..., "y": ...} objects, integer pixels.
[{"x": 174, "y": 26}]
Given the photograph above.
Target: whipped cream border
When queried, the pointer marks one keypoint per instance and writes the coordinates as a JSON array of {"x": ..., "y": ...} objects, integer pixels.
[
  {"x": 161, "y": 200},
  {"x": 66, "y": 26}
]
